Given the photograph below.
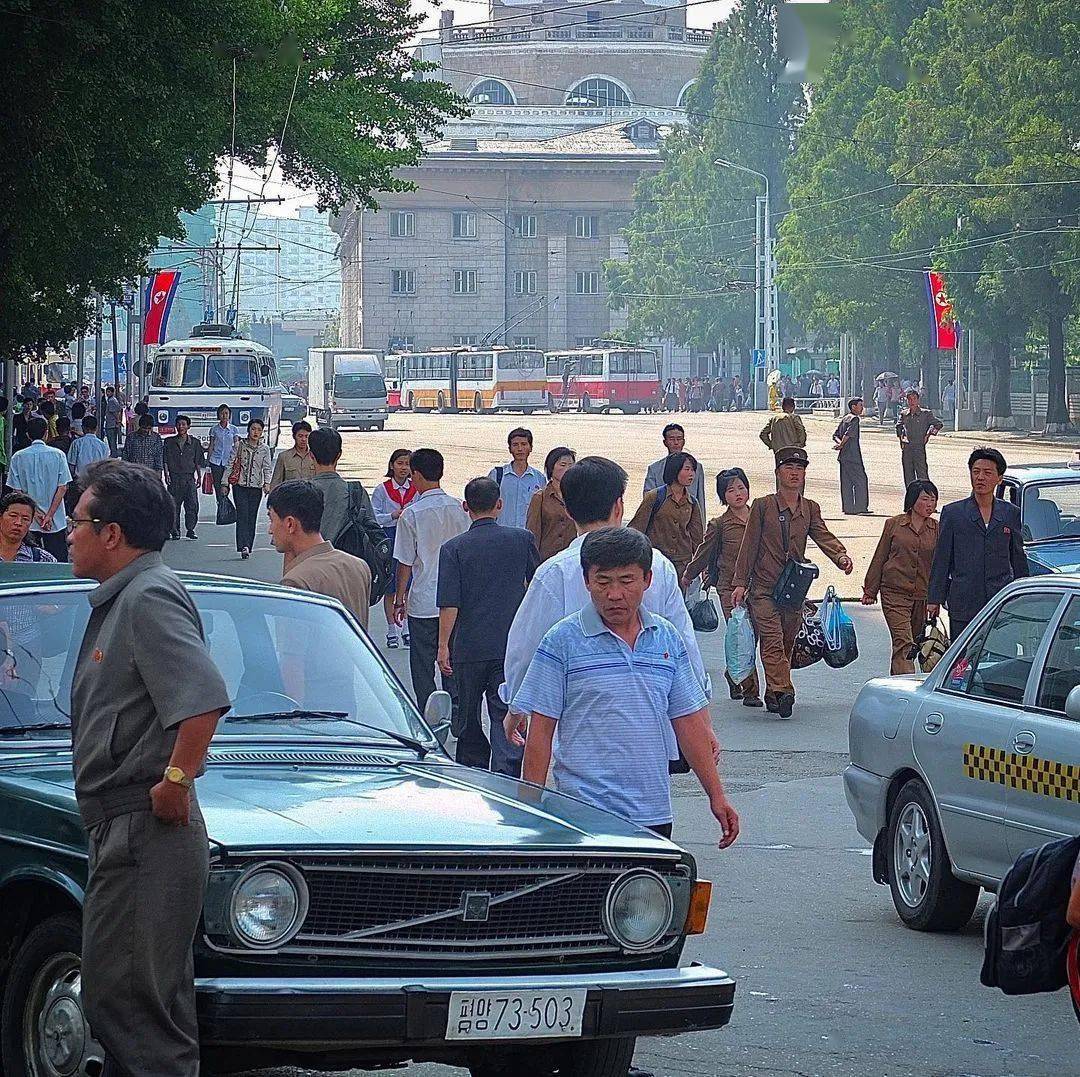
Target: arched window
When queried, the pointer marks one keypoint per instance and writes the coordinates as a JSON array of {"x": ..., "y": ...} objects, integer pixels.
[
  {"x": 681, "y": 103},
  {"x": 598, "y": 93},
  {"x": 491, "y": 92}
]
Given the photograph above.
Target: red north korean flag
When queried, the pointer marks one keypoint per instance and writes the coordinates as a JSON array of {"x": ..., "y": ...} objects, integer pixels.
[
  {"x": 943, "y": 325},
  {"x": 158, "y": 304}
]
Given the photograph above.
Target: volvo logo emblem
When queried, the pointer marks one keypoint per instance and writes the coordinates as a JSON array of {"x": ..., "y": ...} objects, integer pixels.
[{"x": 475, "y": 906}]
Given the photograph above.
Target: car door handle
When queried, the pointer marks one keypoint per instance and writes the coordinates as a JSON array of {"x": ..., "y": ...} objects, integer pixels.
[
  {"x": 1023, "y": 742},
  {"x": 932, "y": 723}
]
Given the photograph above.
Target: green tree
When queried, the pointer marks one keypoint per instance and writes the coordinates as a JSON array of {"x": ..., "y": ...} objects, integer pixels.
[
  {"x": 115, "y": 113},
  {"x": 692, "y": 233}
]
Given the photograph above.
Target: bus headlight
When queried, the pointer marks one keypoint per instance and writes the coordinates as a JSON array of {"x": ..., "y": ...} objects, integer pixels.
[
  {"x": 638, "y": 909},
  {"x": 268, "y": 905}
]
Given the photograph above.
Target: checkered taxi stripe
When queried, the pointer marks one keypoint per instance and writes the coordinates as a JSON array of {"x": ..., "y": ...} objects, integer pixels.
[{"x": 1044, "y": 777}]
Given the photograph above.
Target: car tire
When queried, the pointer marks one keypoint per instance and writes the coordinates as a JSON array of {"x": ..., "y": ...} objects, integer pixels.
[
  {"x": 379, "y": 426},
  {"x": 926, "y": 894},
  {"x": 45, "y": 971}
]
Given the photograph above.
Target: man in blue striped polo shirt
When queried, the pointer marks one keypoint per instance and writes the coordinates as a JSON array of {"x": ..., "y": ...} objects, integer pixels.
[{"x": 603, "y": 685}]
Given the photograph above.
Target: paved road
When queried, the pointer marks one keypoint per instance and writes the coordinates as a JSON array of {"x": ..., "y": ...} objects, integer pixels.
[{"x": 829, "y": 982}]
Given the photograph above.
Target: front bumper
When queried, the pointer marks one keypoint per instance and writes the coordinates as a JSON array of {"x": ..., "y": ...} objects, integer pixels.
[
  {"x": 867, "y": 794},
  {"x": 410, "y": 1014}
]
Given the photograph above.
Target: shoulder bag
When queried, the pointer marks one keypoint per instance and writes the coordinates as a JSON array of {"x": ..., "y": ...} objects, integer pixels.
[
  {"x": 793, "y": 584},
  {"x": 661, "y": 493}
]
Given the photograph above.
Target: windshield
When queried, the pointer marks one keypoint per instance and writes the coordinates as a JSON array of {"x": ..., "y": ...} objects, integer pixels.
[
  {"x": 179, "y": 371},
  {"x": 276, "y": 654},
  {"x": 359, "y": 385},
  {"x": 528, "y": 360},
  {"x": 1051, "y": 511},
  {"x": 232, "y": 372}
]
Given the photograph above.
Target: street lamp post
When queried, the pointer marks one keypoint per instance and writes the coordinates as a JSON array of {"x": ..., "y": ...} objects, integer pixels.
[{"x": 765, "y": 328}]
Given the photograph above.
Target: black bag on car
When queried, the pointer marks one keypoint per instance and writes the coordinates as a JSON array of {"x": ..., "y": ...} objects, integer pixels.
[{"x": 1027, "y": 935}]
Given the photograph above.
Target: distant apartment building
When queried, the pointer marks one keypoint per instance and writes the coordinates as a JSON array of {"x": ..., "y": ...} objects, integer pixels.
[{"x": 518, "y": 206}]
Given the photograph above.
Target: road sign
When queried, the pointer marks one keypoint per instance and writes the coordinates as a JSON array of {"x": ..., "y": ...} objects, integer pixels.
[{"x": 759, "y": 357}]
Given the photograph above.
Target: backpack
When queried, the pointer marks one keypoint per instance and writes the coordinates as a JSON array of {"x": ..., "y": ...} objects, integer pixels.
[
  {"x": 1027, "y": 936},
  {"x": 369, "y": 543}
]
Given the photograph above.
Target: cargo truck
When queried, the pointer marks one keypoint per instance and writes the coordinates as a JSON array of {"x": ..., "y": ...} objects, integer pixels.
[{"x": 346, "y": 388}]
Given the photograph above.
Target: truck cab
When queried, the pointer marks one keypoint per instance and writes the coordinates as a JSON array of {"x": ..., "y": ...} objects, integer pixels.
[{"x": 347, "y": 388}]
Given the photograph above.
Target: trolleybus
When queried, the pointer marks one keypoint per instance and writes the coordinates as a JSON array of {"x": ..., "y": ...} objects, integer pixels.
[
  {"x": 602, "y": 379},
  {"x": 473, "y": 379}
]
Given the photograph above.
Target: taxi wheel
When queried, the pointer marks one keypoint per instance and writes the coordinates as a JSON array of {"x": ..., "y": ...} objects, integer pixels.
[{"x": 927, "y": 896}]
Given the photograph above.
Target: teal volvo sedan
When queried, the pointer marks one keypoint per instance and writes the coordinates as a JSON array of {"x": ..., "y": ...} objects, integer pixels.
[{"x": 370, "y": 902}]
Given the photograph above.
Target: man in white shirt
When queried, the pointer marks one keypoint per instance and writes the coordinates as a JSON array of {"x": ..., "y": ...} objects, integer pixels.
[
  {"x": 675, "y": 441},
  {"x": 517, "y": 481},
  {"x": 42, "y": 472},
  {"x": 593, "y": 492},
  {"x": 430, "y": 519}
]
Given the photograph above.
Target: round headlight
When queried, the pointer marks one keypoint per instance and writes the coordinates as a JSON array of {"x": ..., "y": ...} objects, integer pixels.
[
  {"x": 638, "y": 909},
  {"x": 269, "y": 903}
]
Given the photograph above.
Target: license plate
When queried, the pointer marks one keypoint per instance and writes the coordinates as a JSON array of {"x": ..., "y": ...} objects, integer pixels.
[{"x": 515, "y": 1015}]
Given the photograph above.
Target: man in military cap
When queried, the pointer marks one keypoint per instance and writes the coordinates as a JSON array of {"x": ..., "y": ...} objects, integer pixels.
[{"x": 777, "y": 531}]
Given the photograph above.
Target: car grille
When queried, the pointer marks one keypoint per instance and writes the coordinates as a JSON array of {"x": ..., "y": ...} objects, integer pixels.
[{"x": 422, "y": 907}]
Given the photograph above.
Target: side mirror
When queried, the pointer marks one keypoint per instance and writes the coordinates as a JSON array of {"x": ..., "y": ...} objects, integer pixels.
[
  {"x": 1072, "y": 704},
  {"x": 437, "y": 713}
]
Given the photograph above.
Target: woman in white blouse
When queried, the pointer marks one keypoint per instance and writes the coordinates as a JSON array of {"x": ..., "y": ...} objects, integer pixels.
[{"x": 249, "y": 475}]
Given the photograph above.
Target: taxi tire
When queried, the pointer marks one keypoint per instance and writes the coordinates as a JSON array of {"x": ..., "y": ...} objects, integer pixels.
[
  {"x": 949, "y": 902},
  {"x": 589, "y": 1058}
]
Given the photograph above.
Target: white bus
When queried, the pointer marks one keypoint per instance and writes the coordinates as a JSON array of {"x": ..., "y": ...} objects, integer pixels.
[
  {"x": 212, "y": 367},
  {"x": 473, "y": 379}
]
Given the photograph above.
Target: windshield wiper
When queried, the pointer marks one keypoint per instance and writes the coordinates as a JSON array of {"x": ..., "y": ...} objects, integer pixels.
[
  {"x": 31, "y": 727},
  {"x": 334, "y": 716}
]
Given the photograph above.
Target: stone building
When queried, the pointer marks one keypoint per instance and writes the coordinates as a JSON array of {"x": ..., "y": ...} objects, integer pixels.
[{"x": 519, "y": 205}]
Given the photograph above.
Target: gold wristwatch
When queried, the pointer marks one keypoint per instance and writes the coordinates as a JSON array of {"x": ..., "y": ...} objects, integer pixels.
[{"x": 177, "y": 777}]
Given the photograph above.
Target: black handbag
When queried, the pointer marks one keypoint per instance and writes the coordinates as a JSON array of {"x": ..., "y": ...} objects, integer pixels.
[
  {"x": 793, "y": 585},
  {"x": 703, "y": 615},
  {"x": 226, "y": 511}
]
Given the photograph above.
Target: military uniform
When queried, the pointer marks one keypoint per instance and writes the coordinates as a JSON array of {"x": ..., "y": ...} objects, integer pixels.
[
  {"x": 761, "y": 560},
  {"x": 854, "y": 485},
  {"x": 913, "y": 429},
  {"x": 147, "y": 879}
]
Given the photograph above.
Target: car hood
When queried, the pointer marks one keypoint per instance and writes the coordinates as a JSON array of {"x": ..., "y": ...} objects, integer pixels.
[
  {"x": 1057, "y": 555},
  {"x": 430, "y": 806}
]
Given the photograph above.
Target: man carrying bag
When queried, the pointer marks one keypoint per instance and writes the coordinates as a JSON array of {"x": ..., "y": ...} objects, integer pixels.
[{"x": 773, "y": 576}]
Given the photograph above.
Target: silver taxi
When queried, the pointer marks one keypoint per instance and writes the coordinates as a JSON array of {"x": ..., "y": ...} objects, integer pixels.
[{"x": 954, "y": 773}]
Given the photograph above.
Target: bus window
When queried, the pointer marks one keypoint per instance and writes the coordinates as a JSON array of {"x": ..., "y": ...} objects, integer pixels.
[
  {"x": 232, "y": 372},
  {"x": 643, "y": 363},
  {"x": 179, "y": 372},
  {"x": 591, "y": 366},
  {"x": 619, "y": 363}
]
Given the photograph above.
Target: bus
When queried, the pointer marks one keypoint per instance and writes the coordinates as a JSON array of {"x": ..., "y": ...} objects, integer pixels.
[
  {"x": 600, "y": 379},
  {"x": 214, "y": 366},
  {"x": 480, "y": 380},
  {"x": 392, "y": 376}
]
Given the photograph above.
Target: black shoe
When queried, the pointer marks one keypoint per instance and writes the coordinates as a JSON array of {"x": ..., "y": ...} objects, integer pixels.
[
  {"x": 734, "y": 690},
  {"x": 190, "y": 535},
  {"x": 751, "y": 701},
  {"x": 633, "y": 1071},
  {"x": 785, "y": 704},
  {"x": 174, "y": 534},
  {"x": 771, "y": 704}
]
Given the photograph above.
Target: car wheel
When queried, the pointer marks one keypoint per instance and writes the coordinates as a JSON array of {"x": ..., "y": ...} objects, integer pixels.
[
  {"x": 927, "y": 896},
  {"x": 379, "y": 426},
  {"x": 478, "y": 404},
  {"x": 42, "y": 1028}
]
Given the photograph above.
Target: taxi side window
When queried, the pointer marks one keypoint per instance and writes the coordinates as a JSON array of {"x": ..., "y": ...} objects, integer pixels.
[
  {"x": 1062, "y": 671},
  {"x": 997, "y": 664}
]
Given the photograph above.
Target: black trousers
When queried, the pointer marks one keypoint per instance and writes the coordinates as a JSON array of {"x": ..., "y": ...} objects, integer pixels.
[
  {"x": 423, "y": 647},
  {"x": 248, "y": 499},
  {"x": 184, "y": 493},
  {"x": 957, "y": 625},
  {"x": 218, "y": 471},
  {"x": 477, "y": 681},
  {"x": 854, "y": 486},
  {"x": 53, "y": 541}
]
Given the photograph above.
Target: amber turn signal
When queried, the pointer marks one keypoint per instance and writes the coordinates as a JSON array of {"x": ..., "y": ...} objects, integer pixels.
[{"x": 697, "y": 916}]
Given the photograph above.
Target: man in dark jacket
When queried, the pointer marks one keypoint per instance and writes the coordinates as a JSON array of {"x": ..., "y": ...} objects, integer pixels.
[{"x": 980, "y": 546}]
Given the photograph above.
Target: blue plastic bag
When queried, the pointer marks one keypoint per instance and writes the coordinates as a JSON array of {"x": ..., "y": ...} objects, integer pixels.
[
  {"x": 740, "y": 643},
  {"x": 841, "y": 646}
]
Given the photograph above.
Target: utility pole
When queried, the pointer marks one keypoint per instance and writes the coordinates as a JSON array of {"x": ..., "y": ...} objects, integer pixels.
[
  {"x": 129, "y": 342},
  {"x": 99, "y": 315}
]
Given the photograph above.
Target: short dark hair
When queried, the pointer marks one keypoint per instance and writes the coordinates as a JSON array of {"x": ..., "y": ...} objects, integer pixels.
[
  {"x": 89, "y": 423},
  {"x": 325, "y": 445},
  {"x": 145, "y": 422},
  {"x": 142, "y": 408},
  {"x": 725, "y": 478},
  {"x": 133, "y": 497},
  {"x": 300, "y": 424},
  {"x": 615, "y": 547},
  {"x": 670, "y": 427},
  {"x": 254, "y": 422},
  {"x": 674, "y": 464},
  {"x": 301, "y": 499},
  {"x": 913, "y": 392},
  {"x": 788, "y": 403},
  {"x": 519, "y": 432},
  {"x": 481, "y": 495},
  {"x": 590, "y": 489},
  {"x": 429, "y": 462},
  {"x": 555, "y": 456},
  {"x": 853, "y": 401},
  {"x": 915, "y": 490},
  {"x": 47, "y": 407},
  {"x": 17, "y": 497},
  {"x": 223, "y": 407},
  {"x": 78, "y": 410},
  {"x": 983, "y": 452},
  {"x": 63, "y": 424},
  {"x": 396, "y": 455},
  {"x": 36, "y": 427},
  {"x": 183, "y": 419}
]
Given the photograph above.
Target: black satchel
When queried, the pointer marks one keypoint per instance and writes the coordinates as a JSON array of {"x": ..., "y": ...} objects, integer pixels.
[{"x": 793, "y": 585}]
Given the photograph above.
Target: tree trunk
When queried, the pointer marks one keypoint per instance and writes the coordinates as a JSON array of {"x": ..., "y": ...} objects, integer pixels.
[
  {"x": 1001, "y": 416},
  {"x": 1057, "y": 406},
  {"x": 930, "y": 376},
  {"x": 892, "y": 349}
]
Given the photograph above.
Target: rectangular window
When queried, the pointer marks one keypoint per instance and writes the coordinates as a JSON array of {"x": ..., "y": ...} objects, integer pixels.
[
  {"x": 586, "y": 226},
  {"x": 524, "y": 342},
  {"x": 525, "y": 225},
  {"x": 1061, "y": 673},
  {"x": 402, "y": 282},
  {"x": 525, "y": 282},
  {"x": 464, "y": 225},
  {"x": 401, "y": 224},
  {"x": 583, "y": 342},
  {"x": 464, "y": 282},
  {"x": 588, "y": 282},
  {"x": 465, "y": 340}
]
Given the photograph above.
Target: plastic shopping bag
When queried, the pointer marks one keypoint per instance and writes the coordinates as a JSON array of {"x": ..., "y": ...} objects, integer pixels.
[
  {"x": 702, "y": 609},
  {"x": 740, "y": 643},
  {"x": 809, "y": 644},
  {"x": 841, "y": 646}
]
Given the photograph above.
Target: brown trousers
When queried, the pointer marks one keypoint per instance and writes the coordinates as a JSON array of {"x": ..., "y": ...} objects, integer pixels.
[
  {"x": 905, "y": 615},
  {"x": 750, "y": 687},
  {"x": 776, "y": 629}
]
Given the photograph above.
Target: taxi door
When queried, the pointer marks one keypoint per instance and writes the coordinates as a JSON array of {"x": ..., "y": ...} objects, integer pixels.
[{"x": 1042, "y": 793}]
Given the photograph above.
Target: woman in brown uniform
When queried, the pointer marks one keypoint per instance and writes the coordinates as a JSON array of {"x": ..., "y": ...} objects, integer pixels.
[
  {"x": 900, "y": 570},
  {"x": 547, "y": 519},
  {"x": 718, "y": 553},
  {"x": 669, "y": 516}
]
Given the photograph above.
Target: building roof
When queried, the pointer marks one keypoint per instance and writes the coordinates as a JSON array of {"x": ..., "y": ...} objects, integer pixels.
[{"x": 639, "y": 137}]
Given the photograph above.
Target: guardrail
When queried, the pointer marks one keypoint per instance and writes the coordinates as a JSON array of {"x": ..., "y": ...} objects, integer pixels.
[{"x": 482, "y": 35}]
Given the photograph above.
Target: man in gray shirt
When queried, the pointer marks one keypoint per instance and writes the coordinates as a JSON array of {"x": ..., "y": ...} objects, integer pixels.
[
  {"x": 140, "y": 735},
  {"x": 325, "y": 445},
  {"x": 675, "y": 441},
  {"x": 854, "y": 485}
]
